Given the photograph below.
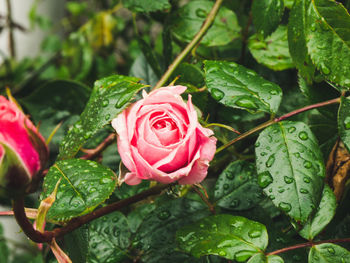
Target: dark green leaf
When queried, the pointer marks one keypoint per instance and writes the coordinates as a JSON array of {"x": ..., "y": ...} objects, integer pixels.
[
  {"x": 273, "y": 51},
  {"x": 143, "y": 70},
  {"x": 84, "y": 185},
  {"x": 187, "y": 21},
  {"x": 136, "y": 217},
  {"x": 236, "y": 188},
  {"x": 324, "y": 214},
  {"x": 109, "y": 239},
  {"x": 232, "y": 237},
  {"x": 328, "y": 253},
  {"x": 344, "y": 121},
  {"x": 109, "y": 97},
  {"x": 189, "y": 74},
  {"x": 297, "y": 40},
  {"x": 64, "y": 101},
  {"x": 261, "y": 258},
  {"x": 146, "y": 5},
  {"x": 155, "y": 236},
  {"x": 150, "y": 56},
  {"x": 266, "y": 15},
  {"x": 4, "y": 251},
  {"x": 290, "y": 168},
  {"x": 236, "y": 86},
  {"x": 327, "y": 34},
  {"x": 77, "y": 244}
]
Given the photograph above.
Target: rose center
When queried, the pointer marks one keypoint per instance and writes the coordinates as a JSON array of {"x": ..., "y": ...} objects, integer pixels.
[{"x": 166, "y": 131}]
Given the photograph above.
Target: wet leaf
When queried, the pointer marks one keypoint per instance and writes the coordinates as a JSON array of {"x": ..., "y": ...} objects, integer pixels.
[{"x": 328, "y": 253}]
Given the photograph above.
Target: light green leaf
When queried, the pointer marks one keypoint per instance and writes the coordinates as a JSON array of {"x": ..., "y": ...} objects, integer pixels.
[
  {"x": 297, "y": 40},
  {"x": 84, "y": 185},
  {"x": 238, "y": 87},
  {"x": 272, "y": 52},
  {"x": 324, "y": 214},
  {"x": 261, "y": 258},
  {"x": 237, "y": 188},
  {"x": 146, "y": 5},
  {"x": 344, "y": 121},
  {"x": 327, "y": 32},
  {"x": 328, "y": 253},
  {"x": 290, "y": 168},
  {"x": 266, "y": 15},
  {"x": 109, "y": 97},
  {"x": 231, "y": 237},
  {"x": 187, "y": 21}
]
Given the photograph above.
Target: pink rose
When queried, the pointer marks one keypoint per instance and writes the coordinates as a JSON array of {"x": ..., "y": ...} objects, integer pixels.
[
  {"x": 159, "y": 138},
  {"x": 23, "y": 151}
]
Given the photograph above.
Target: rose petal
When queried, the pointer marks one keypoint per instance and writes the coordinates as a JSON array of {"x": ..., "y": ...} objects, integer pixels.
[{"x": 132, "y": 179}]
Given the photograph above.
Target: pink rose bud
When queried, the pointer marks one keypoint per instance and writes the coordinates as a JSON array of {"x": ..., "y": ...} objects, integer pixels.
[
  {"x": 23, "y": 151},
  {"x": 159, "y": 138}
]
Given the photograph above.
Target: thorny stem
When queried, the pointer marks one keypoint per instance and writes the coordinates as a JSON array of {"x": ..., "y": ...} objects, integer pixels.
[
  {"x": 207, "y": 23},
  {"x": 275, "y": 120},
  {"x": 47, "y": 236},
  {"x": 93, "y": 153},
  {"x": 307, "y": 244},
  {"x": 204, "y": 198}
]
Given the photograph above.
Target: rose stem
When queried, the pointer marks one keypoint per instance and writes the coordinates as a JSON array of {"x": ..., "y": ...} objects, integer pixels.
[
  {"x": 207, "y": 23},
  {"x": 204, "y": 198},
  {"x": 47, "y": 236},
  {"x": 307, "y": 244},
  {"x": 93, "y": 153},
  {"x": 273, "y": 121},
  {"x": 10, "y": 26}
]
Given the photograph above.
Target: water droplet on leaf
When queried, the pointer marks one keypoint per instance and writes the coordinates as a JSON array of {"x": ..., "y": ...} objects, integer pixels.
[
  {"x": 265, "y": 179},
  {"x": 286, "y": 207},
  {"x": 270, "y": 161},
  {"x": 217, "y": 94},
  {"x": 303, "y": 135}
]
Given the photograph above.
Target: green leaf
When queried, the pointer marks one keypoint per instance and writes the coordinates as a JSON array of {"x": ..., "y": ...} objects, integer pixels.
[
  {"x": 324, "y": 214},
  {"x": 146, "y": 5},
  {"x": 237, "y": 188},
  {"x": 136, "y": 217},
  {"x": 84, "y": 185},
  {"x": 297, "y": 40},
  {"x": 109, "y": 97},
  {"x": 64, "y": 101},
  {"x": 261, "y": 258},
  {"x": 238, "y": 87},
  {"x": 344, "y": 121},
  {"x": 187, "y": 21},
  {"x": 266, "y": 15},
  {"x": 143, "y": 70},
  {"x": 327, "y": 34},
  {"x": 289, "y": 3},
  {"x": 77, "y": 244},
  {"x": 109, "y": 239},
  {"x": 4, "y": 251},
  {"x": 156, "y": 234},
  {"x": 290, "y": 168},
  {"x": 189, "y": 74},
  {"x": 231, "y": 237},
  {"x": 273, "y": 51},
  {"x": 150, "y": 56},
  {"x": 328, "y": 253}
]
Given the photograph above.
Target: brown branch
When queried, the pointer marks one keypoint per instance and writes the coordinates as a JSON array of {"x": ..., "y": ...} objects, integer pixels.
[
  {"x": 204, "y": 198},
  {"x": 308, "y": 244},
  {"x": 47, "y": 236},
  {"x": 93, "y": 153}
]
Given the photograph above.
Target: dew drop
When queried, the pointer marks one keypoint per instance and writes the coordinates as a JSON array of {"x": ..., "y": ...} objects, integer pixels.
[
  {"x": 291, "y": 129},
  {"x": 243, "y": 255},
  {"x": 222, "y": 253},
  {"x": 304, "y": 191},
  {"x": 234, "y": 203},
  {"x": 286, "y": 207},
  {"x": 246, "y": 103},
  {"x": 257, "y": 144},
  {"x": 263, "y": 153},
  {"x": 325, "y": 69},
  {"x": 230, "y": 176},
  {"x": 347, "y": 123},
  {"x": 164, "y": 215},
  {"x": 306, "y": 179},
  {"x": 273, "y": 92},
  {"x": 281, "y": 190},
  {"x": 226, "y": 186},
  {"x": 105, "y": 103},
  {"x": 313, "y": 27},
  {"x": 254, "y": 233},
  {"x": 122, "y": 101},
  {"x": 270, "y": 161},
  {"x": 288, "y": 180},
  {"x": 307, "y": 164},
  {"x": 201, "y": 13},
  {"x": 264, "y": 179},
  {"x": 107, "y": 117},
  {"x": 331, "y": 250},
  {"x": 303, "y": 135},
  {"x": 217, "y": 94}
]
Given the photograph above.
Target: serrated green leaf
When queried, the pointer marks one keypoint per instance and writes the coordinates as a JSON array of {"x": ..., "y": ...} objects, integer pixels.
[
  {"x": 231, "y": 237},
  {"x": 272, "y": 52},
  {"x": 297, "y": 40},
  {"x": 236, "y": 188},
  {"x": 327, "y": 32},
  {"x": 238, "y": 87},
  {"x": 187, "y": 21},
  {"x": 109, "y": 97},
  {"x": 290, "y": 168},
  {"x": 324, "y": 214},
  {"x": 146, "y": 5},
  {"x": 266, "y": 15},
  {"x": 109, "y": 239},
  {"x": 84, "y": 185},
  {"x": 328, "y": 253},
  {"x": 261, "y": 258},
  {"x": 156, "y": 234},
  {"x": 344, "y": 121}
]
